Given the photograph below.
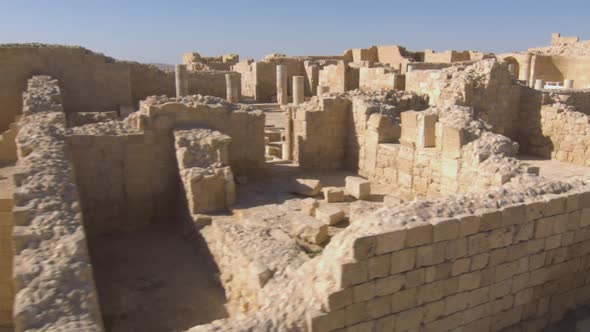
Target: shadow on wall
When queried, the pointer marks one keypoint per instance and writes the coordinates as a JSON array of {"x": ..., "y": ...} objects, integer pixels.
[
  {"x": 156, "y": 275},
  {"x": 531, "y": 138}
]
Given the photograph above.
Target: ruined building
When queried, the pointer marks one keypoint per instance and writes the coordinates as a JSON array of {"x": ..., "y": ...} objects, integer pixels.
[{"x": 382, "y": 189}]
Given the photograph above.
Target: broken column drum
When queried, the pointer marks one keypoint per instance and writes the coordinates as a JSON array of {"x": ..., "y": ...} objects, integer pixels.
[
  {"x": 232, "y": 85},
  {"x": 298, "y": 90},
  {"x": 282, "y": 89},
  {"x": 181, "y": 81}
]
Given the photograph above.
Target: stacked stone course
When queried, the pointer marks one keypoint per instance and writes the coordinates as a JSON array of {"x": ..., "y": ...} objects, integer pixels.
[{"x": 51, "y": 262}]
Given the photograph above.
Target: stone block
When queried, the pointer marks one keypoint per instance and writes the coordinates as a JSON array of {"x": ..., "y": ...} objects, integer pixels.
[
  {"x": 409, "y": 124},
  {"x": 419, "y": 234},
  {"x": 308, "y": 206},
  {"x": 409, "y": 320},
  {"x": 340, "y": 299},
  {"x": 353, "y": 273},
  {"x": 379, "y": 266},
  {"x": 404, "y": 300},
  {"x": 469, "y": 281},
  {"x": 431, "y": 254},
  {"x": 445, "y": 229},
  {"x": 403, "y": 260},
  {"x": 433, "y": 310},
  {"x": 426, "y": 130},
  {"x": 460, "y": 266},
  {"x": 357, "y": 187},
  {"x": 390, "y": 242},
  {"x": 480, "y": 261},
  {"x": 385, "y": 324},
  {"x": 306, "y": 187},
  {"x": 309, "y": 229},
  {"x": 333, "y": 194},
  {"x": 389, "y": 285},
  {"x": 363, "y": 292},
  {"x": 452, "y": 141},
  {"x": 329, "y": 214}
]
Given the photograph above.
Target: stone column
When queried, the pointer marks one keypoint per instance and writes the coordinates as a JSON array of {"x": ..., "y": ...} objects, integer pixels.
[
  {"x": 539, "y": 84},
  {"x": 525, "y": 69},
  {"x": 314, "y": 79},
  {"x": 181, "y": 81},
  {"x": 287, "y": 152},
  {"x": 531, "y": 81},
  {"x": 232, "y": 86},
  {"x": 282, "y": 89},
  {"x": 568, "y": 84},
  {"x": 410, "y": 68},
  {"x": 298, "y": 90}
]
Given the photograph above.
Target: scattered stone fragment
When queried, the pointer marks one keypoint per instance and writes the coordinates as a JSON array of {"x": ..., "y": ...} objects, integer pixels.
[
  {"x": 333, "y": 194},
  {"x": 308, "y": 206},
  {"x": 307, "y": 187},
  {"x": 309, "y": 229},
  {"x": 358, "y": 187},
  {"x": 329, "y": 214}
]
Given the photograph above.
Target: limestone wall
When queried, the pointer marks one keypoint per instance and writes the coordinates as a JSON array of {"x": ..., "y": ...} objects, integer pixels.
[
  {"x": 53, "y": 280},
  {"x": 339, "y": 77},
  {"x": 559, "y": 68},
  {"x": 524, "y": 263},
  {"x": 446, "y": 57},
  {"x": 515, "y": 256},
  {"x": 486, "y": 86},
  {"x": 248, "y": 82},
  {"x": 126, "y": 179},
  {"x": 379, "y": 78},
  {"x": 549, "y": 121},
  {"x": 557, "y": 39},
  {"x": 208, "y": 83},
  {"x": 202, "y": 156},
  {"x": 89, "y": 82},
  {"x": 259, "y": 79},
  {"x": 437, "y": 155},
  {"x": 319, "y": 133},
  {"x": 114, "y": 159}
]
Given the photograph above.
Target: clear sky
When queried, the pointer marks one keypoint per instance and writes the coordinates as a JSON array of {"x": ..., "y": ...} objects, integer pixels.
[{"x": 160, "y": 31}]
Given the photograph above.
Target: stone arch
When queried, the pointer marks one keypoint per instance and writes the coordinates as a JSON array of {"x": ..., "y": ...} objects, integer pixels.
[{"x": 513, "y": 66}]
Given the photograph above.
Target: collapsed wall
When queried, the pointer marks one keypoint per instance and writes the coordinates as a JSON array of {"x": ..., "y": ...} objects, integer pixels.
[
  {"x": 486, "y": 85},
  {"x": 53, "y": 281}
]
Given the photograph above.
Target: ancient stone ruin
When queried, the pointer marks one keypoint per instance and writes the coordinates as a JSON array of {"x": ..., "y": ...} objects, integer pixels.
[{"x": 382, "y": 189}]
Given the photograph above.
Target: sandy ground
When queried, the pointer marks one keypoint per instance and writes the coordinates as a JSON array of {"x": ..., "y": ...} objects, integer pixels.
[
  {"x": 553, "y": 169},
  {"x": 155, "y": 279}
]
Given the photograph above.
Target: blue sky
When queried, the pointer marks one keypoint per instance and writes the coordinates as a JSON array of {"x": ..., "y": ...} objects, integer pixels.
[{"x": 160, "y": 31}]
